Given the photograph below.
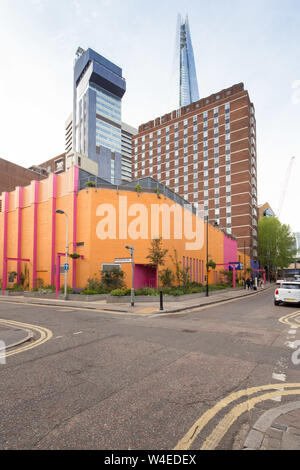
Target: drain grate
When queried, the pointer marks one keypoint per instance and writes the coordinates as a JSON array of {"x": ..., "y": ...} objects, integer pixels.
[{"x": 280, "y": 427}]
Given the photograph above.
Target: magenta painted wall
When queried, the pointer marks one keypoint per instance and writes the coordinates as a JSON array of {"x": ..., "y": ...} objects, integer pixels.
[
  {"x": 144, "y": 276},
  {"x": 230, "y": 250}
]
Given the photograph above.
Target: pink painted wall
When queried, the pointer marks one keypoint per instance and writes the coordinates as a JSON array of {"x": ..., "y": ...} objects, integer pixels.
[
  {"x": 144, "y": 276},
  {"x": 230, "y": 250}
]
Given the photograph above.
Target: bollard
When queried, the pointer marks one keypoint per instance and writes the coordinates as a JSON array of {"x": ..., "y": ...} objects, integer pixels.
[{"x": 161, "y": 300}]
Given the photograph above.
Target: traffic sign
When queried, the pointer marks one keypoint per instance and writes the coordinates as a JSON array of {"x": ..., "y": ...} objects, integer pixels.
[{"x": 66, "y": 266}]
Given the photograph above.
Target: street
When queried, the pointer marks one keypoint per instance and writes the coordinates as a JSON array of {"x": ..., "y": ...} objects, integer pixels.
[{"x": 101, "y": 380}]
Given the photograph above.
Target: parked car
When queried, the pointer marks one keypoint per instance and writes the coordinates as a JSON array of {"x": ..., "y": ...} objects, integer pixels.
[{"x": 287, "y": 292}]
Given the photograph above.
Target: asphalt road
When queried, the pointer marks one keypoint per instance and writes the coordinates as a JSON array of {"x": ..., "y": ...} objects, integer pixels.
[{"x": 106, "y": 381}]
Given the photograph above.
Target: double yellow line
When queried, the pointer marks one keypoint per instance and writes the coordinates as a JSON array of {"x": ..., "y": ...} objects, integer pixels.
[
  {"x": 215, "y": 437},
  {"x": 44, "y": 335},
  {"x": 287, "y": 319}
]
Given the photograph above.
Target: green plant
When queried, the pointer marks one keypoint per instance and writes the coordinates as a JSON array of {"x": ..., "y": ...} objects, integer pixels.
[
  {"x": 138, "y": 188},
  {"x": 39, "y": 283},
  {"x": 157, "y": 255},
  {"x": 26, "y": 276},
  {"x": 120, "y": 292},
  {"x": 111, "y": 280},
  {"x": 12, "y": 276},
  {"x": 90, "y": 184},
  {"x": 75, "y": 255},
  {"x": 91, "y": 292},
  {"x": 166, "y": 277},
  {"x": 211, "y": 264},
  {"x": 93, "y": 284}
]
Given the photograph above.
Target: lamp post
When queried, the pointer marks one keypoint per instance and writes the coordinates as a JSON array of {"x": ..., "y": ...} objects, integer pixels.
[
  {"x": 131, "y": 249},
  {"x": 67, "y": 247},
  {"x": 207, "y": 293}
]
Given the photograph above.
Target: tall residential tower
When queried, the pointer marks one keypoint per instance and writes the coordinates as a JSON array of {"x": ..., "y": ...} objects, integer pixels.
[{"x": 206, "y": 153}]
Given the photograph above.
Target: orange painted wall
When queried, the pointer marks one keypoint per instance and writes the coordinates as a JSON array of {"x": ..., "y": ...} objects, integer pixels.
[{"x": 95, "y": 251}]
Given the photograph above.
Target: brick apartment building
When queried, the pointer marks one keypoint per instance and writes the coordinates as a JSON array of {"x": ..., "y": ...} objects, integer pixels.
[
  {"x": 12, "y": 175},
  {"x": 206, "y": 152}
]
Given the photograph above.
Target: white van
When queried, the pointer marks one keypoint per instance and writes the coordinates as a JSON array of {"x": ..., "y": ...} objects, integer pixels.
[{"x": 288, "y": 292}]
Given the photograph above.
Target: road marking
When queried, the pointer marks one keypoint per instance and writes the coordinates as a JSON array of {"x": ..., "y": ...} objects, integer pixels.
[
  {"x": 78, "y": 333},
  {"x": 44, "y": 333},
  {"x": 222, "y": 428},
  {"x": 287, "y": 319},
  {"x": 281, "y": 377},
  {"x": 186, "y": 442}
]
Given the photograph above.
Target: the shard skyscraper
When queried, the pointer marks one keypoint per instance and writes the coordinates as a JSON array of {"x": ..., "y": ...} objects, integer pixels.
[{"x": 188, "y": 84}]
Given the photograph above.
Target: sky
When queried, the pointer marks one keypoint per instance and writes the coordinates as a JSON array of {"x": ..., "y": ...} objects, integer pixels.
[{"x": 234, "y": 41}]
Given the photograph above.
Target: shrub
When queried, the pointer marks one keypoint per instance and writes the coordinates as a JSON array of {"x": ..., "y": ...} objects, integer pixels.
[
  {"x": 120, "y": 292},
  {"x": 146, "y": 291},
  {"x": 166, "y": 277},
  {"x": 90, "y": 184},
  {"x": 91, "y": 292},
  {"x": 112, "y": 280}
]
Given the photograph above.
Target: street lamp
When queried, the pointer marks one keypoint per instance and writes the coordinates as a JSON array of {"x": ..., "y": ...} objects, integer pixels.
[
  {"x": 59, "y": 211},
  {"x": 131, "y": 249}
]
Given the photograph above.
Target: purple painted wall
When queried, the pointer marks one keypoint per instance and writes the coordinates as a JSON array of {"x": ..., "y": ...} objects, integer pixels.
[
  {"x": 230, "y": 250},
  {"x": 144, "y": 276}
]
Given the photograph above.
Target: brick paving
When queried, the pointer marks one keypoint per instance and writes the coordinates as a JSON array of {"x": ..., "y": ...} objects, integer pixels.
[{"x": 282, "y": 434}]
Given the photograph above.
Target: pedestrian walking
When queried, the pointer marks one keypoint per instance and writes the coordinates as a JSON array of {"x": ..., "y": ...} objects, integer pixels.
[{"x": 248, "y": 283}]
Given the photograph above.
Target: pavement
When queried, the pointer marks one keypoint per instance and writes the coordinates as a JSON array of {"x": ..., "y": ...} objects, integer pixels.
[
  {"x": 13, "y": 336},
  {"x": 277, "y": 429},
  {"x": 215, "y": 297}
]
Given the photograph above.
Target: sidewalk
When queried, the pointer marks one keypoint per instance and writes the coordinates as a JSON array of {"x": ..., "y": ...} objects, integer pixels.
[
  {"x": 13, "y": 336},
  {"x": 215, "y": 297},
  {"x": 277, "y": 429}
]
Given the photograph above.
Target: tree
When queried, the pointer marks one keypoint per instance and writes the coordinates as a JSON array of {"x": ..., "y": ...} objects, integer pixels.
[
  {"x": 157, "y": 255},
  {"x": 166, "y": 277},
  {"x": 276, "y": 244}
]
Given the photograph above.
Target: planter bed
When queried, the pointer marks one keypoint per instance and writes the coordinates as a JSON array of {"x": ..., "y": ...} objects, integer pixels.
[
  {"x": 14, "y": 293},
  {"x": 74, "y": 297},
  {"x": 167, "y": 298}
]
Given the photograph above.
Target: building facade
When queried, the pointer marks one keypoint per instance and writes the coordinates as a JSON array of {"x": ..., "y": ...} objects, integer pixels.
[
  {"x": 127, "y": 134},
  {"x": 97, "y": 101},
  {"x": 102, "y": 222},
  {"x": 13, "y": 175},
  {"x": 265, "y": 210},
  {"x": 206, "y": 153},
  {"x": 186, "y": 69}
]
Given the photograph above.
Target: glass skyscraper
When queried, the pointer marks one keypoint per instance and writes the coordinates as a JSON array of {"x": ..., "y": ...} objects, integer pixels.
[
  {"x": 98, "y": 91},
  {"x": 188, "y": 84}
]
